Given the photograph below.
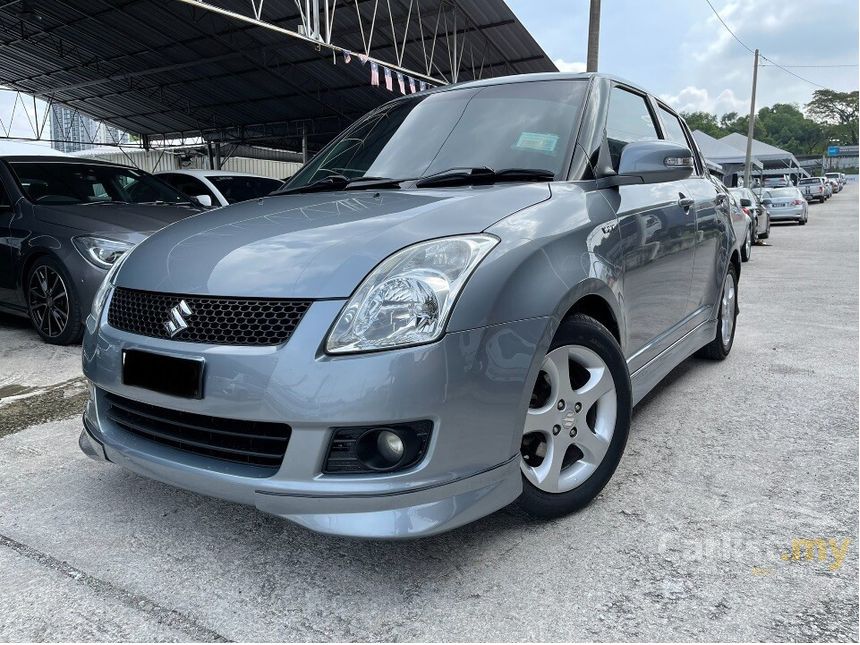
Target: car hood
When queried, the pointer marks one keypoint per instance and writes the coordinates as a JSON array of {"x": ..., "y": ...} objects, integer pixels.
[
  {"x": 313, "y": 245},
  {"x": 115, "y": 220}
]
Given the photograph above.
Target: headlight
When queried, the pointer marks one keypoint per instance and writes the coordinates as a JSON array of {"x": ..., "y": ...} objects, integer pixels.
[
  {"x": 407, "y": 299},
  {"x": 100, "y": 252},
  {"x": 105, "y": 288}
]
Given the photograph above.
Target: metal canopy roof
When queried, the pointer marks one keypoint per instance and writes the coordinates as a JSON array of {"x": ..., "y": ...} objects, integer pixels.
[{"x": 234, "y": 70}]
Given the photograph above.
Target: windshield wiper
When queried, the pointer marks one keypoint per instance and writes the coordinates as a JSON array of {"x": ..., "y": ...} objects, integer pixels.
[
  {"x": 104, "y": 201},
  {"x": 483, "y": 175},
  {"x": 341, "y": 182}
]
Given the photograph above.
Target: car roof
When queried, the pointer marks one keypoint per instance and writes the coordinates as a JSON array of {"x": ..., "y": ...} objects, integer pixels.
[
  {"x": 542, "y": 76},
  {"x": 198, "y": 172}
]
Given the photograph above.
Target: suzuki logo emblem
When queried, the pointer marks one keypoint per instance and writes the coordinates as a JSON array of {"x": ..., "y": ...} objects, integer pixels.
[{"x": 177, "y": 323}]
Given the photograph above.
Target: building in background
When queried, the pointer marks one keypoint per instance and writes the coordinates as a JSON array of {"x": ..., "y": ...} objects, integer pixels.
[{"x": 72, "y": 131}]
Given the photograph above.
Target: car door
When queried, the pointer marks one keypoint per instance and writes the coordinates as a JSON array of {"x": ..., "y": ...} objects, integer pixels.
[
  {"x": 658, "y": 236},
  {"x": 708, "y": 211},
  {"x": 8, "y": 290}
]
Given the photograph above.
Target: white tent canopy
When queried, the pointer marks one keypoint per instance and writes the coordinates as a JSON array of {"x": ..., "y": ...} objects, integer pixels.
[
  {"x": 721, "y": 153},
  {"x": 760, "y": 149}
]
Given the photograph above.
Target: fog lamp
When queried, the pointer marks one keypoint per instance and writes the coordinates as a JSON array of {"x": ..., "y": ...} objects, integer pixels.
[{"x": 390, "y": 446}]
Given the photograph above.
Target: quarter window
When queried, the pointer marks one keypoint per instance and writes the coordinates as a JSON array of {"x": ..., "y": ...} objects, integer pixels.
[
  {"x": 629, "y": 120},
  {"x": 672, "y": 128}
]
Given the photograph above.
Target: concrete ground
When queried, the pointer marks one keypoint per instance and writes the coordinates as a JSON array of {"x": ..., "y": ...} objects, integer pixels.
[{"x": 729, "y": 466}]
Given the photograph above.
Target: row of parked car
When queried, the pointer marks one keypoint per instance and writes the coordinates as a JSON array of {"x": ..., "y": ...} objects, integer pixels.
[{"x": 778, "y": 200}]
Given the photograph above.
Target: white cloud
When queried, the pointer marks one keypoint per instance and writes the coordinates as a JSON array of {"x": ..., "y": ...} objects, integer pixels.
[
  {"x": 565, "y": 66},
  {"x": 698, "y": 99}
]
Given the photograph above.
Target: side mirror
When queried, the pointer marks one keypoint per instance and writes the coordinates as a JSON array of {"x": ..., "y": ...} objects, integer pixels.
[
  {"x": 746, "y": 202},
  {"x": 766, "y": 201},
  {"x": 203, "y": 200},
  {"x": 652, "y": 162}
]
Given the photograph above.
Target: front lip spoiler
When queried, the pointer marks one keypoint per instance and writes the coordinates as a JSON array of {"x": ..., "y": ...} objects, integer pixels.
[
  {"x": 87, "y": 442},
  {"x": 389, "y": 493}
]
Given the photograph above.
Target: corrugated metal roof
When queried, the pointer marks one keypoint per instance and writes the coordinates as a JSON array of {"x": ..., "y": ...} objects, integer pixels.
[{"x": 167, "y": 68}]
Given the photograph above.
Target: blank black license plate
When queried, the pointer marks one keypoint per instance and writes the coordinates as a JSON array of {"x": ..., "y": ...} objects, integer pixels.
[{"x": 166, "y": 374}]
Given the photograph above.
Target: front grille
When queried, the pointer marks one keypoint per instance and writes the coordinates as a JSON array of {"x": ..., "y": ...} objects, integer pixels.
[
  {"x": 256, "y": 443},
  {"x": 214, "y": 320}
]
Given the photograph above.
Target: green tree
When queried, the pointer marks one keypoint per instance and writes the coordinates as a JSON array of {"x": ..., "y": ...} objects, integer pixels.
[
  {"x": 837, "y": 112},
  {"x": 783, "y": 125},
  {"x": 704, "y": 121}
]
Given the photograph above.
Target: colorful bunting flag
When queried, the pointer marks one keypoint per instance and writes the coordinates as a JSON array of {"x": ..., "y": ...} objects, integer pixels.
[
  {"x": 401, "y": 83},
  {"x": 374, "y": 73},
  {"x": 362, "y": 58},
  {"x": 411, "y": 85},
  {"x": 389, "y": 81},
  {"x": 347, "y": 56}
]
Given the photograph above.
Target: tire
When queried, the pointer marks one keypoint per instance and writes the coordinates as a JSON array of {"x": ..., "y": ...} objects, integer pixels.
[
  {"x": 766, "y": 233},
  {"x": 52, "y": 304},
  {"x": 720, "y": 347},
  {"x": 586, "y": 439},
  {"x": 746, "y": 249},
  {"x": 802, "y": 221}
]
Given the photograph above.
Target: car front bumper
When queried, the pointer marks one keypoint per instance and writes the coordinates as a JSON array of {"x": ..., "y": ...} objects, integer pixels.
[{"x": 473, "y": 386}]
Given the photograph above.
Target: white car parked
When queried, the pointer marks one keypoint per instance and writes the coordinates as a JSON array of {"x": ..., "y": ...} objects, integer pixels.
[{"x": 219, "y": 187}]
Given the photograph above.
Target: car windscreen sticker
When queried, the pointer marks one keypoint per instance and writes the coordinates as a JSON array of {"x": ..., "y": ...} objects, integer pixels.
[{"x": 538, "y": 141}]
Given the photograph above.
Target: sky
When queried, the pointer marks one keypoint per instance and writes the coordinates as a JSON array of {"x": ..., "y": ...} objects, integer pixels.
[{"x": 678, "y": 50}]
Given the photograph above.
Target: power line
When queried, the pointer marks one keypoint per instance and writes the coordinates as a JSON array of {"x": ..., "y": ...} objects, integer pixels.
[
  {"x": 750, "y": 50},
  {"x": 819, "y": 66},
  {"x": 788, "y": 71},
  {"x": 728, "y": 29}
]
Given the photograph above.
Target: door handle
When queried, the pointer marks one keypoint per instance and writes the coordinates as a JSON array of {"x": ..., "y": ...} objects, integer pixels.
[{"x": 686, "y": 202}]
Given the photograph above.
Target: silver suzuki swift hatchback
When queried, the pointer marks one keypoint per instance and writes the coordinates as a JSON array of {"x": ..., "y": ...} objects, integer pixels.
[{"x": 452, "y": 307}]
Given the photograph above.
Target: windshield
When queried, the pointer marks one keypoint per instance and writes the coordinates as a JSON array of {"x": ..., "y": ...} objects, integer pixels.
[
  {"x": 518, "y": 125},
  {"x": 780, "y": 192},
  {"x": 238, "y": 188},
  {"x": 81, "y": 183}
]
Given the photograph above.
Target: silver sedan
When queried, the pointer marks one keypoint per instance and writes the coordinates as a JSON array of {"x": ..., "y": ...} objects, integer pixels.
[{"x": 785, "y": 204}]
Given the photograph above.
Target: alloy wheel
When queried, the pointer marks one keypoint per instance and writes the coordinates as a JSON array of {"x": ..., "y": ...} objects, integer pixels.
[
  {"x": 727, "y": 309},
  {"x": 48, "y": 300},
  {"x": 570, "y": 421}
]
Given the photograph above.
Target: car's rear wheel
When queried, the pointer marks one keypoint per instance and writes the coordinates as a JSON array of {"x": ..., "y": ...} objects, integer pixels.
[
  {"x": 766, "y": 234},
  {"x": 52, "y": 304},
  {"x": 746, "y": 249},
  {"x": 720, "y": 347},
  {"x": 578, "y": 420}
]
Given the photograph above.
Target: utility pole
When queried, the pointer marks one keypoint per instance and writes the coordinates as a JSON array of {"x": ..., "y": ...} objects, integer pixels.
[
  {"x": 593, "y": 36},
  {"x": 751, "y": 129}
]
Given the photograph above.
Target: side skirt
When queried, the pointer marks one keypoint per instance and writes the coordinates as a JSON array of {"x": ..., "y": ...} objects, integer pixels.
[{"x": 649, "y": 375}]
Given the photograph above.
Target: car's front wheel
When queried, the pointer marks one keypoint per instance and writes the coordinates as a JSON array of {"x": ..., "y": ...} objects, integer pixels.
[
  {"x": 52, "y": 304},
  {"x": 578, "y": 420}
]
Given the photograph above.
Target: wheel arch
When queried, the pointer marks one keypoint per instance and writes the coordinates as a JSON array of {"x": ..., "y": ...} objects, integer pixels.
[
  {"x": 735, "y": 259},
  {"x": 596, "y": 306}
]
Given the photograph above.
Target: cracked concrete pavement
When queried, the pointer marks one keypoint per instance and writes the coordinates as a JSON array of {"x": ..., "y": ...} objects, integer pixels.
[{"x": 700, "y": 535}]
